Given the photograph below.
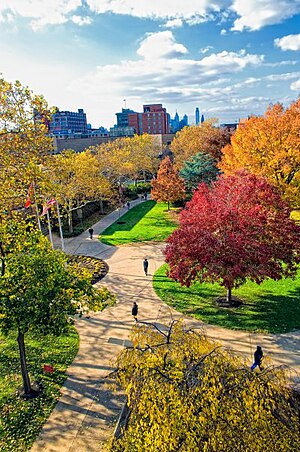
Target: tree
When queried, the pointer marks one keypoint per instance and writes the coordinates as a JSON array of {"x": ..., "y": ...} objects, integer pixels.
[
  {"x": 24, "y": 143},
  {"x": 186, "y": 393},
  {"x": 200, "y": 168},
  {"x": 76, "y": 179},
  {"x": 204, "y": 138},
  {"x": 269, "y": 146},
  {"x": 239, "y": 228},
  {"x": 168, "y": 186},
  {"x": 38, "y": 291}
]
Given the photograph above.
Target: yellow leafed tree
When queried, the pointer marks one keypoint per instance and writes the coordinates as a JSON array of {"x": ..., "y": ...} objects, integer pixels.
[
  {"x": 203, "y": 138},
  {"x": 186, "y": 393},
  {"x": 269, "y": 146},
  {"x": 76, "y": 179},
  {"x": 24, "y": 143}
]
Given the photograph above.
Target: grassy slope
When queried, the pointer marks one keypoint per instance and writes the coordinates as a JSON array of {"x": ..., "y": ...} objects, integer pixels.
[
  {"x": 145, "y": 222},
  {"x": 273, "y": 306},
  {"x": 20, "y": 421}
]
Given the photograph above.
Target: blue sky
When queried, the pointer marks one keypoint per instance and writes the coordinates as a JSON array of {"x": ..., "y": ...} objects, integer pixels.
[{"x": 230, "y": 58}]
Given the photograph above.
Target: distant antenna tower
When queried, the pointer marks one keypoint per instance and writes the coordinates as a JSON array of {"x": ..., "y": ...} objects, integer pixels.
[{"x": 124, "y": 100}]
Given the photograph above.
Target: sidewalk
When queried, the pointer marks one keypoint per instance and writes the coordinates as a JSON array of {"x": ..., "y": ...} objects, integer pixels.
[{"x": 85, "y": 416}]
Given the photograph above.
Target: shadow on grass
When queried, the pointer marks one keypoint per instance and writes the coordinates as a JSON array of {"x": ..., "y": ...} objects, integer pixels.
[
  {"x": 129, "y": 219},
  {"x": 262, "y": 309}
]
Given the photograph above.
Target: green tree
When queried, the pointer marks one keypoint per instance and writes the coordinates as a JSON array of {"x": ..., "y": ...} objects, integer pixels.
[
  {"x": 186, "y": 393},
  {"x": 168, "y": 185},
  {"x": 38, "y": 291},
  {"x": 200, "y": 168}
]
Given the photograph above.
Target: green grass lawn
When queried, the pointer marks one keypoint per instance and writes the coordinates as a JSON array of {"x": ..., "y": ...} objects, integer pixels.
[
  {"x": 148, "y": 221},
  {"x": 272, "y": 307},
  {"x": 20, "y": 420}
]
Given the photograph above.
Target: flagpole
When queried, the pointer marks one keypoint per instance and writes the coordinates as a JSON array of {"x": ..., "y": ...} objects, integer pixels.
[
  {"x": 49, "y": 229},
  {"x": 36, "y": 208},
  {"x": 60, "y": 228}
]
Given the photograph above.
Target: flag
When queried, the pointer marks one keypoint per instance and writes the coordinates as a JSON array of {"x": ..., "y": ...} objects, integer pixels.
[
  {"x": 29, "y": 195},
  {"x": 48, "y": 205}
]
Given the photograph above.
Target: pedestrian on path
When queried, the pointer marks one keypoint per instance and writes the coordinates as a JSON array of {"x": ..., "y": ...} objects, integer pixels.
[
  {"x": 135, "y": 310},
  {"x": 128, "y": 205},
  {"x": 91, "y": 232},
  {"x": 258, "y": 356},
  {"x": 146, "y": 264}
]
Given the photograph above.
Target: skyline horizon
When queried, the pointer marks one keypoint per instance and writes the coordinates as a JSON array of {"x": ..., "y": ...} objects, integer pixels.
[{"x": 229, "y": 58}]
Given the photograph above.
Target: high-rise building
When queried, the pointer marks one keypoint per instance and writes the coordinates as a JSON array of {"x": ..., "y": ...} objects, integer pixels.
[
  {"x": 202, "y": 118},
  {"x": 66, "y": 123},
  {"x": 197, "y": 116},
  {"x": 122, "y": 117},
  {"x": 153, "y": 120}
]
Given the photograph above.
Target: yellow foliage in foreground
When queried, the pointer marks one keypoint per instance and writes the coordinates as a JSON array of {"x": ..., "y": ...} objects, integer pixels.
[{"x": 189, "y": 394}]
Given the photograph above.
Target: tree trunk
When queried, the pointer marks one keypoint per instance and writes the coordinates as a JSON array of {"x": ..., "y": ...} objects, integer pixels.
[
  {"x": 144, "y": 175},
  {"x": 229, "y": 298},
  {"x": 24, "y": 370},
  {"x": 101, "y": 207},
  {"x": 70, "y": 218},
  {"x": 168, "y": 205}
]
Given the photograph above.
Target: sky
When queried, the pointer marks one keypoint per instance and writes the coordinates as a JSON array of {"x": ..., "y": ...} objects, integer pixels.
[{"x": 229, "y": 58}]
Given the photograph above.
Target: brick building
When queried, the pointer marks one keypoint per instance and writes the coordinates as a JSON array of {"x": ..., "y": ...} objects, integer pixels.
[{"x": 153, "y": 120}]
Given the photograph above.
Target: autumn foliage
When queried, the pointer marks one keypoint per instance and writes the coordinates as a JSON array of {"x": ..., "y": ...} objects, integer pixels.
[
  {"x": 188, "y": 394},
  {"x": 269, "y": 146},
  {"x": 168, "y": 185},
  {"x": 203, "y": 138},
  {"x": 238, "y": 229}
]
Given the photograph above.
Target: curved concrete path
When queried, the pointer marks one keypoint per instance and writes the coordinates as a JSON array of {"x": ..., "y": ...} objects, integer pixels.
[{"x": 85, "y": 415}]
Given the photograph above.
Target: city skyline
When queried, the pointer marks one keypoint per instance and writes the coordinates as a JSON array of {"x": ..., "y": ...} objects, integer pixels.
[{"x": 229, "y": 59}]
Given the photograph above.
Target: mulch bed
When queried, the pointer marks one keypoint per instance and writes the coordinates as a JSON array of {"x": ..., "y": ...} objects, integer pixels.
[
  {"x": 97, "y": 267},
  {"x": 223, "y": 303}
]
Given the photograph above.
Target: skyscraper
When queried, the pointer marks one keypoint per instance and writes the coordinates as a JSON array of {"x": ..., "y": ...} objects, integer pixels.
[{"x": 197, "y": 116}]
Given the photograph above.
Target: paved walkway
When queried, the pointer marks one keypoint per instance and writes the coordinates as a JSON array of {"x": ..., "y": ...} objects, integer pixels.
[{"x": 86, "y": 413}]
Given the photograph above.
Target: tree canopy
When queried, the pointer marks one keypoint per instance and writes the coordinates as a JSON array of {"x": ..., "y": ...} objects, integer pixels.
[
  {"x": 204, "y": 138},
  {"x": 200, "y": 168},
  {"x": 168, "y": 185},
  {"x": 187, "y": 393},
  {"x": 269, "y": 146},
  {"x": 76, "y": 179},
  {"x": 239, "y": 228},
  {"x": 24, "y": 142},
  {"x": 38, "y": 290}
]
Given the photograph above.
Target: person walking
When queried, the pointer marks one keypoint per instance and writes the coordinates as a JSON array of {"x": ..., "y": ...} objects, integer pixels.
[
  {"x": 91, "y": 232},
  {"x": 128, "y": 205},
  {"x": 135, "y": 310},
  {"x": 146, "y": 264},
  {"x": 258, "y": 356}
]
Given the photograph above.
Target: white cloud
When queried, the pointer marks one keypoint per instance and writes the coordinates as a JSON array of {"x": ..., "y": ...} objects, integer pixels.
[
  {"x": 295, "y": 86},
  {"x": 206, "y": 49},
  {"x": 282, "y": 77},
  {"x": 223, "y": 32},
  {"x": 255, "y": 14},
  {"x": 79, "y": 20},
  {"x": 174, "y": 23},
  {"x": 289, "y": 42},
  {"x": 163, "y": 72},
  {"x": 161, "y": 45},
  {"x": 41, "y": 12},
  {"x": 282, "y": 63},
  {"x": 251, "y": 14}
]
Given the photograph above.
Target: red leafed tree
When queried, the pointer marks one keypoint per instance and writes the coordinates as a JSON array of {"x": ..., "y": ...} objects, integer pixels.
[
  {"x": 239, "y": 228},
  {"x": 168, "y": 185}
]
